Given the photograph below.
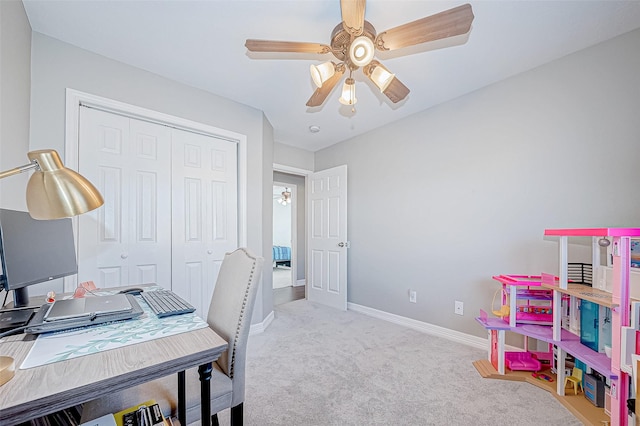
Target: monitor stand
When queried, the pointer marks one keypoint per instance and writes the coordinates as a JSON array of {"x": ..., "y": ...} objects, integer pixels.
[{"x": 20, "y": 297}]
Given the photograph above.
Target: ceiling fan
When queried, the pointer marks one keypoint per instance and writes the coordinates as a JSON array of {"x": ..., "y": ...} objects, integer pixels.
[{"x": 353, "y": 44}]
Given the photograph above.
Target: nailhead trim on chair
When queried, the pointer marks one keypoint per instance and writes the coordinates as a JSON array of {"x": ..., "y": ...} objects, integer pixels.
[{"x": 242, "y": 316}]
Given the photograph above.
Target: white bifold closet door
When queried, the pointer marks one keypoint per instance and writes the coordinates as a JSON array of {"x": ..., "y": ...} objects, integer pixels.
[{"x": 170, "y": 209}]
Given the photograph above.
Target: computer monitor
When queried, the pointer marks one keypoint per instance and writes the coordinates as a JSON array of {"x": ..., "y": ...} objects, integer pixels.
[{"x": 34, "y": 251}]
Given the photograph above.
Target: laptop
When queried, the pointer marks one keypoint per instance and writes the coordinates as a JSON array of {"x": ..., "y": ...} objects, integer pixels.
[
  {"x": 93, "y": 313},
  {"x": 87, "y": 307}
]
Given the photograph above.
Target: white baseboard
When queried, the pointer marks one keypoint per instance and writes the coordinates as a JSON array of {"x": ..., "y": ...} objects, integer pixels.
[
  {"x": 423, "y": 327},
  {"x": 260, "y": 327},
  {"x": 300, "y": 283}
]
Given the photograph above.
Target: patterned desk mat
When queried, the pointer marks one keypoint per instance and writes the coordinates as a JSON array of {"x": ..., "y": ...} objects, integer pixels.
[{"x": 59, "y": 346}]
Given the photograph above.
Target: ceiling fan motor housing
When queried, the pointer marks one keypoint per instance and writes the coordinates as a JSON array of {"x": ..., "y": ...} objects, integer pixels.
[{"x": 341, "y": 41}]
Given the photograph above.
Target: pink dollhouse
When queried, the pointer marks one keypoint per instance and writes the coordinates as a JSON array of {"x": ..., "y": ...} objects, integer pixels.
[{"x": 544, "y": 322}]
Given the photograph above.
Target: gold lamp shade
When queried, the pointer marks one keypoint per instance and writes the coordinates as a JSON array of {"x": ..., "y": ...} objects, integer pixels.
[{"x": 54, "y": 191}]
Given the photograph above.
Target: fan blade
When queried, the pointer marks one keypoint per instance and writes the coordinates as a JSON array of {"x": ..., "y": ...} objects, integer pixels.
[
  {"x": 387, "y": 82},
  {"x": 445, "y": 24},
  {"x": 286, "y": 46},
  {"x": 353, "y": 16},
  {"x": 322, "y": 92},
  {"x": 396, "y": 91}
]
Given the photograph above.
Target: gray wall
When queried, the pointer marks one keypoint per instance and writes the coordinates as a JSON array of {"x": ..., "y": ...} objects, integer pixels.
[
  {"x": 301, "y": 215},
  {"x": 287, "y": 155},
  {"x": 57, "y": 66},
  {"x": 15, "y": 89},
  {"x": 266, "y": 305},
  {"x": 441, "y": 201}
]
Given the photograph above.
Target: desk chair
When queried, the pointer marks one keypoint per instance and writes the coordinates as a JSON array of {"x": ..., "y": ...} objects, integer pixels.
[{"x": 229, "y": 316}]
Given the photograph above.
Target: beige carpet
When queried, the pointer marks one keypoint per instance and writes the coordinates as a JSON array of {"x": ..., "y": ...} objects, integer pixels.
[{"x": 318, "y": 366}]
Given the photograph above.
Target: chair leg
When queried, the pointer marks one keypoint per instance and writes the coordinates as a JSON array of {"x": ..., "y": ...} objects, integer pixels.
[
  {"x": 214, "y": 420},
  {"x": 237, "y": 415}
]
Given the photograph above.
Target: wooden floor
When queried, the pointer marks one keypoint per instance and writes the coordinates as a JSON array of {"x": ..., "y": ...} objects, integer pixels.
[
  {"x": 287, "y": 294},
  {"x": 579, "y": 406}
]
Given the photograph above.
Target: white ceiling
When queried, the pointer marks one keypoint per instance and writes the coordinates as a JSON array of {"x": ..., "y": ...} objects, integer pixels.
[{"x": 201, "y": 43}]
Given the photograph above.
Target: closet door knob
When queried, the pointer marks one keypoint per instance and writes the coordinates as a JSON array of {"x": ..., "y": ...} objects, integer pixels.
[
  {"x": 124, "y": 255},
  {"x": 209, "y": 251}
]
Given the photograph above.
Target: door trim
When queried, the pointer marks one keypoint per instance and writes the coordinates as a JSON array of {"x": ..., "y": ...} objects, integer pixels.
[
  {"x": 75, "y": 99},
  {"x": 304, "y": 173}
]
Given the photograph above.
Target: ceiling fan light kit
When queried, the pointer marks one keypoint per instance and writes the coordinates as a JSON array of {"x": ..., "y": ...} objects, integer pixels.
[
  {"x": 323, "y": 72},
  {"x": 379, "y": 75},
  {"x": 361, "y": 51},
  {"x": 285, "y": 197},
  {"x": 348, "y": 96},
  {"x": 354, "y": 42}
]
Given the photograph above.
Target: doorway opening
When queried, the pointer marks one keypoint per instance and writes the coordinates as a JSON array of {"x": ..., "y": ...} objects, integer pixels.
[
  {"x": 288, "y": 238},
  {"x": 283, "y": 234}
]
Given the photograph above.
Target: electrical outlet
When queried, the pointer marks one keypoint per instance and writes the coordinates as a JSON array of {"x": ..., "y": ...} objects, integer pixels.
[
  {"x": 413, "y": 296},
  {"x": 459, "y": 308}
]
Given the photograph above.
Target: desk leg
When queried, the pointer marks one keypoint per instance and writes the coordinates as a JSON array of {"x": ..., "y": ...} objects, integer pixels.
[
  {"x": 205, "y": 393},
  {"x": 182, "y": 398}
]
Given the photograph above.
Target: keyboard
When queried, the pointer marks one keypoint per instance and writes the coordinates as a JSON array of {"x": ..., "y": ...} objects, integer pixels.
[{"x": 165, "y": 303}]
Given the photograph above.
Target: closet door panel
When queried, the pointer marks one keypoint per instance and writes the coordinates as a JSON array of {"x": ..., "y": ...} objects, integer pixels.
[
  {"x": 149, "y": 243},
  {"x": 205, "y": 201},
  {"x": 128, "y": 240},
  {"x": 103, "y": 160}
]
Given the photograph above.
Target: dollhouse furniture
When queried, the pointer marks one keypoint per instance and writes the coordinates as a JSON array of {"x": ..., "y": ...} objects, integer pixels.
[
  {"x": 594, "y": 390},
  {"x": 527, "y": 303},
  {"x": 521, "y": 361},
  {"x": 575, "y": 379}
]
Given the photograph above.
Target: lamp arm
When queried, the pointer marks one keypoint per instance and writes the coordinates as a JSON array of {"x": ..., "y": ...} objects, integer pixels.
[{"x": 31, "y": 166}]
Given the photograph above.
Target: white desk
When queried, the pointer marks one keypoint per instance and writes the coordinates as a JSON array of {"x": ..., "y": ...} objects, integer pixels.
[{"x": 49, "y": 388}]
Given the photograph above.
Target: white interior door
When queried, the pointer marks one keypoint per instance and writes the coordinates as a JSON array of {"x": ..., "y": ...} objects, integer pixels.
[
  {"x": 327, "y": 239},
  {"x": 128, "y": 240},
  {"x": 205, "y": 215}
]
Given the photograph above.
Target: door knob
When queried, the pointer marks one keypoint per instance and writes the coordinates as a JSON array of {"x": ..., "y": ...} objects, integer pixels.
[
  {"x": 343, "y": 244},
  {"x": 340, "y": 244},
  {"x": 124, "y": 256},
  {"x": 209, "y": 251}
]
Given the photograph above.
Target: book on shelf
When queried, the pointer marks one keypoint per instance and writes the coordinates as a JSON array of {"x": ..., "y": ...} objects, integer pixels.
[{"x": 146, "y": 414}]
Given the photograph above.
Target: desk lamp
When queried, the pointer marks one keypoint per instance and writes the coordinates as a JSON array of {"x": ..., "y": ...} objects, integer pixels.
[{"x": 53, "y": 192}]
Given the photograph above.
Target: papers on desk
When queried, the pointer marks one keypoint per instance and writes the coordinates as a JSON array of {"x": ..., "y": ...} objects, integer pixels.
[{"x": 59, "y": 346}]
